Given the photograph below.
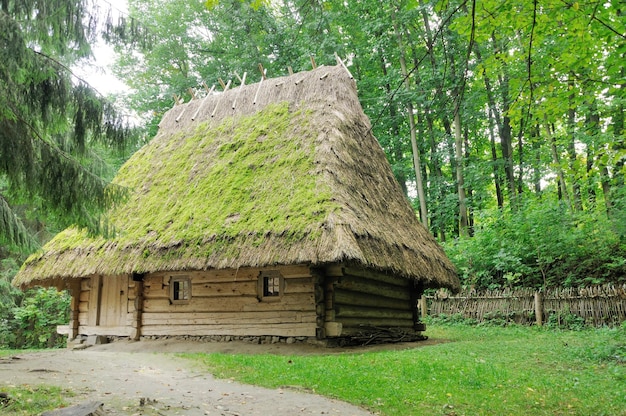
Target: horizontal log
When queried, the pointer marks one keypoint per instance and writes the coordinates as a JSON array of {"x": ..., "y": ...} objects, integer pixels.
[
  {"x": 351, "y": 311},
  {"x": 194, "y": 318},
  {"x": 64, "y": 330},
  {"x": 396, "y": 333},
  {"x": 378, "y": 276},
  {"x": 229, "y": 275},
  {"x": 85, "y": 284},
  {"x": 334, "y": 270},
  {"x": 284, "y": 330},
  {"x": 347, "y": 297},
  {"x": 297, "y": 301},
  {"x": 84, "y": 296},
  {"x": 299, "y": 285},
  {"x": 83, "y": 306},
  {"x": 356, "y": 284},
  {"x": 371, "y": 322},
  {"x": 120, "y": 331},
  {"x": 247, "y": 288}
]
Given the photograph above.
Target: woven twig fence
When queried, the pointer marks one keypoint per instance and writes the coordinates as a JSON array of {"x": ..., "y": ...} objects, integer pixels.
[{"x": 597, "y": 305}]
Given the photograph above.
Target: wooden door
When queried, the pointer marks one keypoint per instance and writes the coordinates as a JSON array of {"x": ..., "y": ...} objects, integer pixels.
[{"x": 109, "y": 299}]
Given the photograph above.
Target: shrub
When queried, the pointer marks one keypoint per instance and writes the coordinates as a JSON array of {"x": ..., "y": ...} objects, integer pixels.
[{"x": 34, "y": 322}]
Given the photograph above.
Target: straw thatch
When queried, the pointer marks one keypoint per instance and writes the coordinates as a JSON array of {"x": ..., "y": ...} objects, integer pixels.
[{"x": 284, "y": 172}]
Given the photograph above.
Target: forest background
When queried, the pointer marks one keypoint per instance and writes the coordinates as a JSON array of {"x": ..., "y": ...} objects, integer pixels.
[{"x": 503, "y": 121}]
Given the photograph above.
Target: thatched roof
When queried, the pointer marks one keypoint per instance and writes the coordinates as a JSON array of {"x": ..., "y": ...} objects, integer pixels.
[{"x": 283, "y": 172}]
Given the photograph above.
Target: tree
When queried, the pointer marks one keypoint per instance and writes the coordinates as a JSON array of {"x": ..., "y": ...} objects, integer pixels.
[
  {"x": 509, "y": 105},
  {"x": 53, "y": 126}
]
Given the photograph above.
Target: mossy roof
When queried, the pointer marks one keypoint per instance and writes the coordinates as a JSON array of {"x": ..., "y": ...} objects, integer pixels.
[{"x": 283, "y": 172}]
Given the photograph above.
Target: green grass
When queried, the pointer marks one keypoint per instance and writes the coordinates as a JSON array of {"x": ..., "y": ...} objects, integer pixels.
[
  {"x": 26, "y": 399},
  {"x": 32, "y": 400},
  {"x": 482, "y": 371}
]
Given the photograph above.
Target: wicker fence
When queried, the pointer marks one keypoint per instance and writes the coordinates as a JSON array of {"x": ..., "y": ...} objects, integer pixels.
[{"x": 598, "y": 305}]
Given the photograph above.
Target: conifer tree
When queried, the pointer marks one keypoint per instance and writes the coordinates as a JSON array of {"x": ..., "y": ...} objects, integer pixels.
[{"x": 51, "y": 120}]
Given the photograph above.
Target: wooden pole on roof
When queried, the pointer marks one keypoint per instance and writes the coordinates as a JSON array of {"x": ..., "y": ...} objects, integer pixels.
[
  {"x": 220, "y": 100},
  {"x": 243, "y": 82},
  {"x": 209, "y": 92},
  {"x": 339, "y": 61},
  {"x": 313, "y": 62},
  {"x": 290, "y": 70},
  {"x": 263, "y": 71},
  {"x": 178, "y": 102}
]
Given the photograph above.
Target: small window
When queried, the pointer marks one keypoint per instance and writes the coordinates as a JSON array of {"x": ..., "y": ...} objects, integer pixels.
[
  {"x": 270, "y": 284},
  {"x": 180, "y": 289}
]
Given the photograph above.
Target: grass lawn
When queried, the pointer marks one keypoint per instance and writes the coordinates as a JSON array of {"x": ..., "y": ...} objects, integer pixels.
[
  {"x": 29, "y": 400},
  {"x": 483, "y": 371}
]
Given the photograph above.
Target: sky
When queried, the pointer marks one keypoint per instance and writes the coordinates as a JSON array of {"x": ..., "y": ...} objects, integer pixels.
[{"x": 98, "y": 72}]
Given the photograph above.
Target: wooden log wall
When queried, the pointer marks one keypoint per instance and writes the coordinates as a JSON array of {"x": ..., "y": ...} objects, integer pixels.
[
  {"x": 598, "y": 305},
  {"x": 226, "y": 302},
  {"x": 357, "y": 299}
]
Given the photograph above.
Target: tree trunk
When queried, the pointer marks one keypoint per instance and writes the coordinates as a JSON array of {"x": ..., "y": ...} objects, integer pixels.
[
  {"x": 494, "y": 161},
  {"x": 557, "y": 162},
  {"x": 571, "y": 146},
  {"x": 397, "y": 147},
  {"x": 460, "y": 179},
  {"x": 421, "y": 194}
]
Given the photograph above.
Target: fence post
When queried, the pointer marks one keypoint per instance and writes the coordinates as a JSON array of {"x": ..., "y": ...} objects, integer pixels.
[
  {"x": 423, "y": 303},
  {"x": 539, "y": 308}
]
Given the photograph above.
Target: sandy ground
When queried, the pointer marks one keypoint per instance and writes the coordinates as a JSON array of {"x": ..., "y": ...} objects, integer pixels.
[{"x": 145, "y": 378}]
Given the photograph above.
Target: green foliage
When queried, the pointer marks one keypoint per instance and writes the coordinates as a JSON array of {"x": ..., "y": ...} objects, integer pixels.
[
  {"x": 542, "y": 244},
  {"x": 10, "y": 298},
  {"x": 32, "y": 323},
  {"x": 565, "y": 320},
  {"x": 50, "y": 121},
  {"x": 485, "y": 370}
]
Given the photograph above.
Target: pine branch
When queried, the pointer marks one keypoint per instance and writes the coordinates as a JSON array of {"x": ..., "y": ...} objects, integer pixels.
[{"x": 13, "y": 230}]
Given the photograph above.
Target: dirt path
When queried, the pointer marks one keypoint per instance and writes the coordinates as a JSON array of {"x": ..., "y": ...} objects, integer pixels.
[{"x": 143, "y": 379}]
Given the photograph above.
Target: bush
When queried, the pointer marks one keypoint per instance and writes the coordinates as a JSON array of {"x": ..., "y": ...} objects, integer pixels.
[
  {"x": 36, "y": 320},
  {"x": 542, "y": 244},
  {"x": 565, "y": 320}
]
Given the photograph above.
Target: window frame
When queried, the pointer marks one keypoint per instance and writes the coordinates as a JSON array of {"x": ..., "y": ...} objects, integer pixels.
[
  {"x": 174, "y": 291},
  {"x": 277, "y": 281}
]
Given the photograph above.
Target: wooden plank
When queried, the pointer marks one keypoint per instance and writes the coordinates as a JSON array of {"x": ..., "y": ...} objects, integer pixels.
[
  {"x": 378, "y": 276},
  {"x": 94, "y": 300},
  {"x": 351, "y": 311},
  {"x": 271, "y": 317},
  {"x": 120, "y": 331},
  {"x": 347, "y": 297},
  {"x": 284, "y": 330},
  {"x": 357, "y": 284},
  {"x": 94, "y": 408}
]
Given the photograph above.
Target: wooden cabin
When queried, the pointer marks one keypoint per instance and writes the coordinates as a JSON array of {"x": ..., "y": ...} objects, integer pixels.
[{"x": 268, "y": 209}]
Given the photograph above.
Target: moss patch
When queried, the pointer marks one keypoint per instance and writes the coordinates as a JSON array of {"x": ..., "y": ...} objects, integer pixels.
[{"x": 244, "y": 178}]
